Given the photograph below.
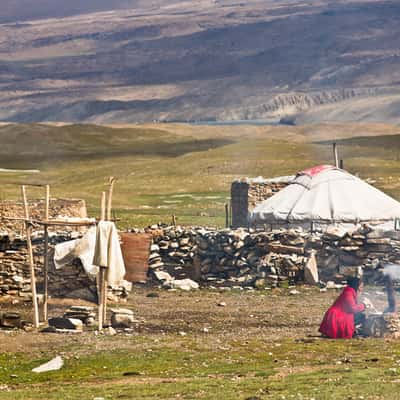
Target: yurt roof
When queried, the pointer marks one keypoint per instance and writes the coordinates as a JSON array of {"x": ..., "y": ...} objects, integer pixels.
[{"x": 326, "y": 193}]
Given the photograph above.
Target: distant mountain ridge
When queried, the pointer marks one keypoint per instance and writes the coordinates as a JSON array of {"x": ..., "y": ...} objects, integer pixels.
[
  {"x": 137, "y": 61},
  {"x": 25, "y": 10}
]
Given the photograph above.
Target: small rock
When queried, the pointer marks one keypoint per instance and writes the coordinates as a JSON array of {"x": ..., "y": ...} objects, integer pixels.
[
  {"x": 183, "y": 284},
  {"x": 110, "y": 331},
  {"x": 66, "y": 323},
  {"x": 162, "y": 276},
  {"x": 53, "y": 365},
  {"x": 122, "y": 318}
]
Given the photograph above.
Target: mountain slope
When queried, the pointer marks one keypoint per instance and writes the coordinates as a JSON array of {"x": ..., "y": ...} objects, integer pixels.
[{"x": 204, "y": 60}]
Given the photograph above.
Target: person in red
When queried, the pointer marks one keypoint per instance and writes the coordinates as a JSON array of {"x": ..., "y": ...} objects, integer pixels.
[{"x": 338, "y": 322}]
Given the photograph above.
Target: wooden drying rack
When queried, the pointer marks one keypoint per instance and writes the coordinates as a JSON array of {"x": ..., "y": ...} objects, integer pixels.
[{"x": 106, "y": 203}]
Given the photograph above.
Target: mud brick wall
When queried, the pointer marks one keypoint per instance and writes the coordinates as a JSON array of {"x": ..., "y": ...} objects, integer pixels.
[
  {"x": 246, "y": 194},
  {"x": 58, "y": 207}
]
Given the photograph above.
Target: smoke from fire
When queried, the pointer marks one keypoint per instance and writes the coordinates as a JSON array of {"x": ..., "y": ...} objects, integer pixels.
[{"x": 392, "y": 270}]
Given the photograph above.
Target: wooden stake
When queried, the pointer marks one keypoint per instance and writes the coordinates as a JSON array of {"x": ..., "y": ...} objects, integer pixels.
[
  {"x": 103, "y": 206},
  {"x": 46, "y": 254},
  {"x": 104, "y": 290},
  {"x": 28, "y": 229},
  {"x": 173, "y": 220},
  {"x": 102, "y": 283},
  {"x": 100, "y": 294},
  {"x": 230, "y": 213},
  {"x": 110, "y": 194},
  {"x": 335, "y": 155},
  {"x": 103, "y": 296}
]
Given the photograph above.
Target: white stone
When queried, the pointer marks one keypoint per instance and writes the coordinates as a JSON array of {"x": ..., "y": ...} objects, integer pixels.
[
  {"x": 184, "y": 284},
  {"x": 311, "y": 271},
  {"x": 163, "y": 276},
  {"x": 110, "y": 331},
  {"x": 53, "y": 365}
]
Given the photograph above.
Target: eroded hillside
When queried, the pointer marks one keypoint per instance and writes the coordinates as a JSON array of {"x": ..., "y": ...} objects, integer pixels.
[{"x": 206, "y": 60}]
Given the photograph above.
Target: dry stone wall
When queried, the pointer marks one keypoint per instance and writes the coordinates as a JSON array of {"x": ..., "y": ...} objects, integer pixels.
[
  {"x": 14, "y": 268},
  {"x": 235, "y": 258},
  {"x": 241, "y": 258},
  {"x": 69, "y": 281}
]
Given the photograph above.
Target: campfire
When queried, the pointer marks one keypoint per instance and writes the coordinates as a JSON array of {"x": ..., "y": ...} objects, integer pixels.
[{"x": 386, "y": 323}]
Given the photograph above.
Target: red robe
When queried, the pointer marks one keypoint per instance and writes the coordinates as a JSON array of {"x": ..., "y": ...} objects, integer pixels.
[{"x": 338, "y": 322}]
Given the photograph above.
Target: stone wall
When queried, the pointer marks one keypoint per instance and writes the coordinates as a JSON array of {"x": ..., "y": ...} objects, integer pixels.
[
  {"x": 235, "y": 258},
  {"x": 15, "y": 275},
  {"x": 241, "y": 258},
  {"x": 58, "y": 207},
  {"x": 247, "y": 193}
]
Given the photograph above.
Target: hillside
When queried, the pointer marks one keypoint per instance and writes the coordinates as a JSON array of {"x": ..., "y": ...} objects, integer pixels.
[
  {"x": 130, "y": 61},
  {"x": 182, "y": 170}
]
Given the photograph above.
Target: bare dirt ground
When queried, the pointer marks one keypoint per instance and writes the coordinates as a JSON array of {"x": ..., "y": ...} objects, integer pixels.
[{"x": 209, "y": 315}]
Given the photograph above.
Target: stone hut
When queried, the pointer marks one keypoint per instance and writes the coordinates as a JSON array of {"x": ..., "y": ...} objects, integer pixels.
[{"x": 246, "y": 193}]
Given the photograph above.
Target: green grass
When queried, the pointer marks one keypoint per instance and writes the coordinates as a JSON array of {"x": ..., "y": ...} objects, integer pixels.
[
  {"x": 323, "y": 369},
  {"x": 162, "y": 173}
]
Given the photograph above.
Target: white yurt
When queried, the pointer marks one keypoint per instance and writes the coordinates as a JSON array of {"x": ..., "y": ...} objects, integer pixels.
[{"x": 325, "y": 195}]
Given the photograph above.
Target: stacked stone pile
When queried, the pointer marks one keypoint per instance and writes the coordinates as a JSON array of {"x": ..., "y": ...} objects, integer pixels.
[
  {"x": 11, "y": 320},
  {"x": 239, "y": 257},
  {"x": 123, "y": 318},
  {"x": 83, "y": 313}
]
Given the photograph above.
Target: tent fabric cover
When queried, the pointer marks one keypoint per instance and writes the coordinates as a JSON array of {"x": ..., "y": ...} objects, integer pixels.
[{"x": 329, "y": 194}]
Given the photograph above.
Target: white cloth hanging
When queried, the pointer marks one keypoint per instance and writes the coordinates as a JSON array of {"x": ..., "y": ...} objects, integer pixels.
[
  {"x": 98, "y": 247},
  {"x": 107, "y": 252}
]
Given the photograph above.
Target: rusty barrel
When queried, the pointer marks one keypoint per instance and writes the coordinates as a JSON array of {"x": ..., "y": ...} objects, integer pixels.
[{"x": 135, "y": 251}]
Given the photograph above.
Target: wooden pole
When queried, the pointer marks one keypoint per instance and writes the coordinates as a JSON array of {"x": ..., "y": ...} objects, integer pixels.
[
  {"x": 110, "y": 194},
  {"x": 230, "y": 213},
  {"x": 46, "y": 254},
  {"x": 104, "y": 290},
  {"x": 28, "y": 229},
  {"x": 103, "y": 206},
  {"x": 226, "y": 215},
  {"x": 102, "y": 282},
  {"x": 173, "y": 220},
  {"x": 335, "y": 155},
  {"x": 103, "y": 296},
  {"x": 100, "y": 293},
  {"x": 104, "y": 270}
]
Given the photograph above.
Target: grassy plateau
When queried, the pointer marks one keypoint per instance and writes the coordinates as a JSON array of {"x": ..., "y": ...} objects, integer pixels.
[{"x": 183, "y": 170}]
